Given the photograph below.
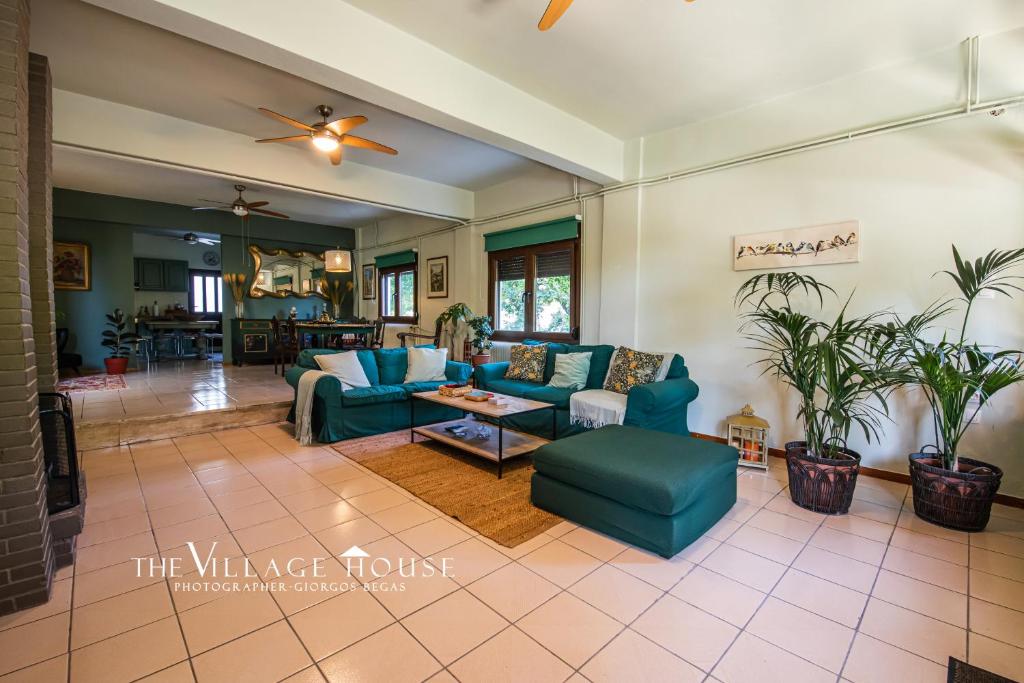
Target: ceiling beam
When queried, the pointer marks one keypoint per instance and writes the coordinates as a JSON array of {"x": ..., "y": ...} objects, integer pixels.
[
  {"x": 101, "y": 126},
  {"x": 336, "y": 45}
]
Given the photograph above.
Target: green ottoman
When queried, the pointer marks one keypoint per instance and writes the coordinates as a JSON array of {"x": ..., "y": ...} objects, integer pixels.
[{"x": 652, "y": 489}]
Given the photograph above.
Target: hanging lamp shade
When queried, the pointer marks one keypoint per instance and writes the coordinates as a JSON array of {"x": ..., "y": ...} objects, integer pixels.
[{"x": 338, "y": 261}]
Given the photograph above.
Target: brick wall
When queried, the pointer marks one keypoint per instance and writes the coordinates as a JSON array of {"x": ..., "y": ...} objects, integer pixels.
[
  {"x": 26, "y": 554},
  {"x": 40, "y": 219}
]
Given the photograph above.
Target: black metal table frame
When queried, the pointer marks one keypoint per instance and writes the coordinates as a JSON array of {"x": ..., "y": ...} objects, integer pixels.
[{"x": 501, "y": 425}]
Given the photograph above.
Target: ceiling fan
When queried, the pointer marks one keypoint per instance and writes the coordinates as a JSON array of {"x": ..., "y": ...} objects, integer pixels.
[
  {"x": 192, "y": 238},
  {"x": 328, "y": 136},
  {"x": 239, "y": 207},
  {"x": 554, "y": 12}
]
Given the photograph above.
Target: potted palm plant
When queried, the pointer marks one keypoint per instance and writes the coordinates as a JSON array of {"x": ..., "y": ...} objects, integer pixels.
[
  {"x": 117, "y": 340},
  {"x": 833, "y": 367},
  {"x": 481, "y": 328},
  {"x": 958, "y": 378}
]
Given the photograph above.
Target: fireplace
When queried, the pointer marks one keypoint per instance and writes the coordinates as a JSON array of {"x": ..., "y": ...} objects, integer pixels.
[{"x": 65, "y": 485}]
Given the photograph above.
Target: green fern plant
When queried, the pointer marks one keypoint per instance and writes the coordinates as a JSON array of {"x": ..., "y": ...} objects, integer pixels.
[
  {"x": 834, "y": 365},
  {"x": 957, "y": 377}
]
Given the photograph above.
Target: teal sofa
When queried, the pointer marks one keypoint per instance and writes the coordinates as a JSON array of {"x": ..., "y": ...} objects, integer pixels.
[
  {"x": 660, "y": 406},
  {"x": 655, "y": 490},
  {"x": 382, "y": 407}
]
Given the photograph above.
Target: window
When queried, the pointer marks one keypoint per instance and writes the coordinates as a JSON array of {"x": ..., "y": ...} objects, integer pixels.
[
  {"x": 397, "y": 298},
  {"x": 206, "y": 293},
  {"x": 534, "y": 292}
]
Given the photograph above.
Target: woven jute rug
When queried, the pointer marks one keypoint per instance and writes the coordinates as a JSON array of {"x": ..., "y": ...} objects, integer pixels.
[{"x": 461, "y": 485}]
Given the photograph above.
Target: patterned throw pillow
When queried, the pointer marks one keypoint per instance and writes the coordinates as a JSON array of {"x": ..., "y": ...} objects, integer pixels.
[
  {"x": 632, "y": 368},
  {"x": 527, "y": 362}
]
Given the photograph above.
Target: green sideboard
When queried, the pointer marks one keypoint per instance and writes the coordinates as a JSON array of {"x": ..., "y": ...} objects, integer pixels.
[{"x": 252, "y": 339}]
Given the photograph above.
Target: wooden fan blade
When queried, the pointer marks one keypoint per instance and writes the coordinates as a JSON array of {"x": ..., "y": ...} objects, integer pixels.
[
  {"x": 342, "y": 126},
  {"x": 268, "y": 212},
  {"x": 290, "y": 138},
  {"x": 335, "y": 156},
  {"x": 214, "y": 201},
  {"x": 367, "y": 144},
  {"x": 284, "y": 119},
  {"x": 253, "y": 205},
  {"x": 554, "y": 12}
]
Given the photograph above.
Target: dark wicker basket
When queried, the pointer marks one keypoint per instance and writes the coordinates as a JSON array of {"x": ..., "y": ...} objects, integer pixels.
[
  {"x": 821, "y": 484},
  {"x": 955, "y": 500}
]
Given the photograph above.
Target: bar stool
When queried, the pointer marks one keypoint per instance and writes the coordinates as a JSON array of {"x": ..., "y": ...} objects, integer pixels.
[{"x": 143, "y": 347}]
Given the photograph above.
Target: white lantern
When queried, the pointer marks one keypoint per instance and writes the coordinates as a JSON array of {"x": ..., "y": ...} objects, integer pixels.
[
  {"x": 338, "y": 261},
  {"x": 749, "y": 435}
]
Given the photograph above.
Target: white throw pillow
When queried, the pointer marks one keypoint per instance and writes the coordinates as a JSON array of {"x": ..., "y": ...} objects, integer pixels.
[
  {"x": 426, "y": 365},
  {"x": 346, "y": 367},
  {"x": 571, "y": 370}
]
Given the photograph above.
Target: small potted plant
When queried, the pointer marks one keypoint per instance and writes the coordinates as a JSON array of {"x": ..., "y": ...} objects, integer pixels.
[
  {"x": 958, "y": 378},
  {"x": 449, "y": 322},
  {"x": 117, "y": 340},
  {"x": 482, "y": 331},
  {"x": 833, "y": 366}
]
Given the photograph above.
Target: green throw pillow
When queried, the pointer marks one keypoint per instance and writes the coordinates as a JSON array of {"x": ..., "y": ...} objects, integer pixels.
[
  {"x": 527, "y": 363},
  {"x": 571, "y": 370}
]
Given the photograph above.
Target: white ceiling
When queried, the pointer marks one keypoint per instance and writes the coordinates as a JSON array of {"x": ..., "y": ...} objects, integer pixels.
[
  {"x": 80, "y": 170},
  {"x": 105, "y": 55},
  {"x": 634, "y": 67}
]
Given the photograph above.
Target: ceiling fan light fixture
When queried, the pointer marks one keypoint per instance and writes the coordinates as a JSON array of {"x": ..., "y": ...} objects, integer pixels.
[
  {"x": 239, "y": 210},
  {"x": 338, "y": 261},
  {"x": 325, "y": 142}
]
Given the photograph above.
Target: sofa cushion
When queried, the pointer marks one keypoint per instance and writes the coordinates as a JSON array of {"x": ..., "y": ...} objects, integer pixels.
[
  {"x": 512, "y": 387},
  {"x": 557, "y": 395},
  {"x": 382, "y": 393},
  {"x": 677, "y": 370},
  {"x": 653, "y": 471},
  {"x": 392, "y": 365},
  {"x": 418, "y": 387}
]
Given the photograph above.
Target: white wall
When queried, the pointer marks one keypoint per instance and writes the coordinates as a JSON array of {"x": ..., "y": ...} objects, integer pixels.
[{"x": 914, "y": 193}]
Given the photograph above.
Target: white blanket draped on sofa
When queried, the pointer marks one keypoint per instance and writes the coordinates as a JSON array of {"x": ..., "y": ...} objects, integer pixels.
[
  {"x": 594, "y": 408},
  {"x": 304, "y": 406}
]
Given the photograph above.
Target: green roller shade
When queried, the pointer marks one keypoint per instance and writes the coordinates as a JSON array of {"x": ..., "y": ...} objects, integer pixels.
[
  {"x": 541, "y": 233},
  {"x": 283, "y": 280},
  {"x": 399, "y": 259},
  {"x": 316, "y": 273}
]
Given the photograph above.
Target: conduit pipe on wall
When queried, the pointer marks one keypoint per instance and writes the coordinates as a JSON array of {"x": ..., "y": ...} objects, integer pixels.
[{"x": 972, "y": 105}]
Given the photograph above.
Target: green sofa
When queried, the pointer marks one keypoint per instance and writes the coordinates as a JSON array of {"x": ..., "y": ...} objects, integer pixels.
[
  {"x": 379, "y": 408},
  {"x": 659, "y": 406},
  {"x": 654, "y": 490}
]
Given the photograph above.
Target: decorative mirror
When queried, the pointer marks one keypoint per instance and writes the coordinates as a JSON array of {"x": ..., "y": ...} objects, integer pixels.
[{"x": 280, "y": 273}]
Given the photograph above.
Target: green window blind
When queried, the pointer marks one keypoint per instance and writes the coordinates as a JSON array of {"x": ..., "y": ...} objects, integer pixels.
[
  {"x": 399, "y": 259},
  {"x": 540, "y": 233},
  {"x": 283, "y": 280}
]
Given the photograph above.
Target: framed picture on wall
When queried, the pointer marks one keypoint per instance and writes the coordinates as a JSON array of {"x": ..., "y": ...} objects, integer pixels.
[
  {"x": 72, "y": 266},
  {"x": 437, "y": 277},
  {"x": 369, "y": 281}
]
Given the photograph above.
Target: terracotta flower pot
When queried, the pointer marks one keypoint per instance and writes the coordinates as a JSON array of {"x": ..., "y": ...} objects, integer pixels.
[
  {"x": 481, "y": 359},
  {"x": 822, "y": 484},
  {"x": 960, "y": 500},
  {"x": 116, "y": 366}
]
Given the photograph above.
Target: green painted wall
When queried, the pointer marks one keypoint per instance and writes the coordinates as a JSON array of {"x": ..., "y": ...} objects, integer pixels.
[
  {"x": 83, "y": 313},
  {"x": 108, "y": 223}
]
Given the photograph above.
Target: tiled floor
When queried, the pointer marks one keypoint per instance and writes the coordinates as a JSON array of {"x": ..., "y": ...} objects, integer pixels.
[
  {"x": 771, "y": 593},
  {"x": 183, "y": 386}
]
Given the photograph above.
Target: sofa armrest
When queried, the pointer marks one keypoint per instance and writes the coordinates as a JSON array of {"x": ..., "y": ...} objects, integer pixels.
[
  {"x": 328, "y": 387},
  {"x": 489, "y": 372},
  {"x": 458, "y": 372},
  {"x": 661, "y": 405}
]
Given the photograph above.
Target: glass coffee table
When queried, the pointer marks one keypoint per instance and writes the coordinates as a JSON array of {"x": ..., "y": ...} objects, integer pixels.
[{"x": 501, "y": 443}]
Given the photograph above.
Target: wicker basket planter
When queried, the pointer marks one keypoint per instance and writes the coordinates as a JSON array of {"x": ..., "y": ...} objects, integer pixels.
[
  {"x": 959, "y": 500},
  {"x": 821, "y": 484}
]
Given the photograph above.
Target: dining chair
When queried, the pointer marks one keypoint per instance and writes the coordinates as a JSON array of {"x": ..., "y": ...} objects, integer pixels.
[{"x": 286, "y": 342}]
